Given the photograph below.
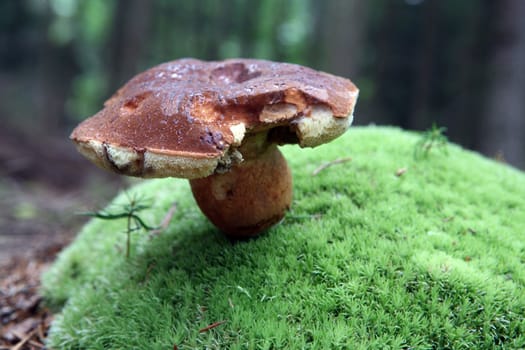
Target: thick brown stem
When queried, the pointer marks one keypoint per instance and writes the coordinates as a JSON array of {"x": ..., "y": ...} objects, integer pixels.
[{"x": 248, "y": 199}]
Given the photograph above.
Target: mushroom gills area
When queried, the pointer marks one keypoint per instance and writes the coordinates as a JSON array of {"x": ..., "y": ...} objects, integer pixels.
[{"x": 251, "y": 197}]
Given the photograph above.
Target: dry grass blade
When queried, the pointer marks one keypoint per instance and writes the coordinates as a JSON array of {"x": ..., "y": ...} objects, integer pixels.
[
  {"x": 329, "y": 164},
  {"x": 165, "y": 221}
]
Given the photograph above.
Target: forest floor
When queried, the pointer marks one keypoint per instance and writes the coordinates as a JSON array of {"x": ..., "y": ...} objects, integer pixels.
[
  {"x": 25, "y": 320},
  {"x": 41, "y": 192}
]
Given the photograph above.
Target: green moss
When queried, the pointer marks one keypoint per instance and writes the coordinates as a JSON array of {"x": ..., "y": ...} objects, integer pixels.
[{"x": 433, "y": 258}]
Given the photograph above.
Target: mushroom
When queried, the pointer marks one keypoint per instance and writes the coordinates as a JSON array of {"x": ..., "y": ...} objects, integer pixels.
[{"x": 218, "y": 124}]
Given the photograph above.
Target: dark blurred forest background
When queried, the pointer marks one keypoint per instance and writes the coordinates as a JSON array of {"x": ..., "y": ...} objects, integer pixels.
[{"x": 460, "y": 64}]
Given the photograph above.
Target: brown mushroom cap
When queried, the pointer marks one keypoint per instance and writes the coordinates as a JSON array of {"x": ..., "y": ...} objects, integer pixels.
[{"x": 187, "y": 117}]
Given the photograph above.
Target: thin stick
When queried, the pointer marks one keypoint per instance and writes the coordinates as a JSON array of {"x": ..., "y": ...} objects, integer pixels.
[
  {"x": 41, "y": 333},
  {"x": 36, "y": 344},
  {"x": 211, "y": 326},
  {"x": 24, "y": 340},
  {"x": 329, "y": 164},
  {"x": 166, "y": 221},
  {"x": 148, "y": 271},
  {"x": 128, "y": 241}
]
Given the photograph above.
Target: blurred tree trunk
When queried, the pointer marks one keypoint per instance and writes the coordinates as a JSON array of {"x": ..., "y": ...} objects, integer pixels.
[
  {"x": 420, "y": 116},
  {"x": 43, "y": 77},
  {"x": 342, "y": 23},
  {"x": 129, "y": 40},
  {"x": 504, "y": 117},
  {"x": 383, "y": 75},
  {"x": 469, "y": 66}
]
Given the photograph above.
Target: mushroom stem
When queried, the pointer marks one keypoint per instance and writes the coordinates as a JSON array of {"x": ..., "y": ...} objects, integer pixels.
[{"x": 252, "y": 196}]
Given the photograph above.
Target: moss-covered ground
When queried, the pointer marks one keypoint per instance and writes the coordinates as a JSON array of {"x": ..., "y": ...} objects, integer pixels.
[{"x": 382, "y": 251}]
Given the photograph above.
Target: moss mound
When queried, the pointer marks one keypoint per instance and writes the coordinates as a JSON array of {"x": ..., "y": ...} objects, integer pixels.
[{"x": 372, "y": 256}]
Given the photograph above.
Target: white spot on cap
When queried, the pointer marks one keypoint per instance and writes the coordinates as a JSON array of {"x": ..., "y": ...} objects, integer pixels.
[{"x": 238, "y": 131}]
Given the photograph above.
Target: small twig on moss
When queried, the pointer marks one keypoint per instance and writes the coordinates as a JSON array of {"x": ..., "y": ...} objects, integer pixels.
[
  {"x": 433, "y": 138},
  {"x": 211, "y": 326},
  {"x": 329, "y": 164}
]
